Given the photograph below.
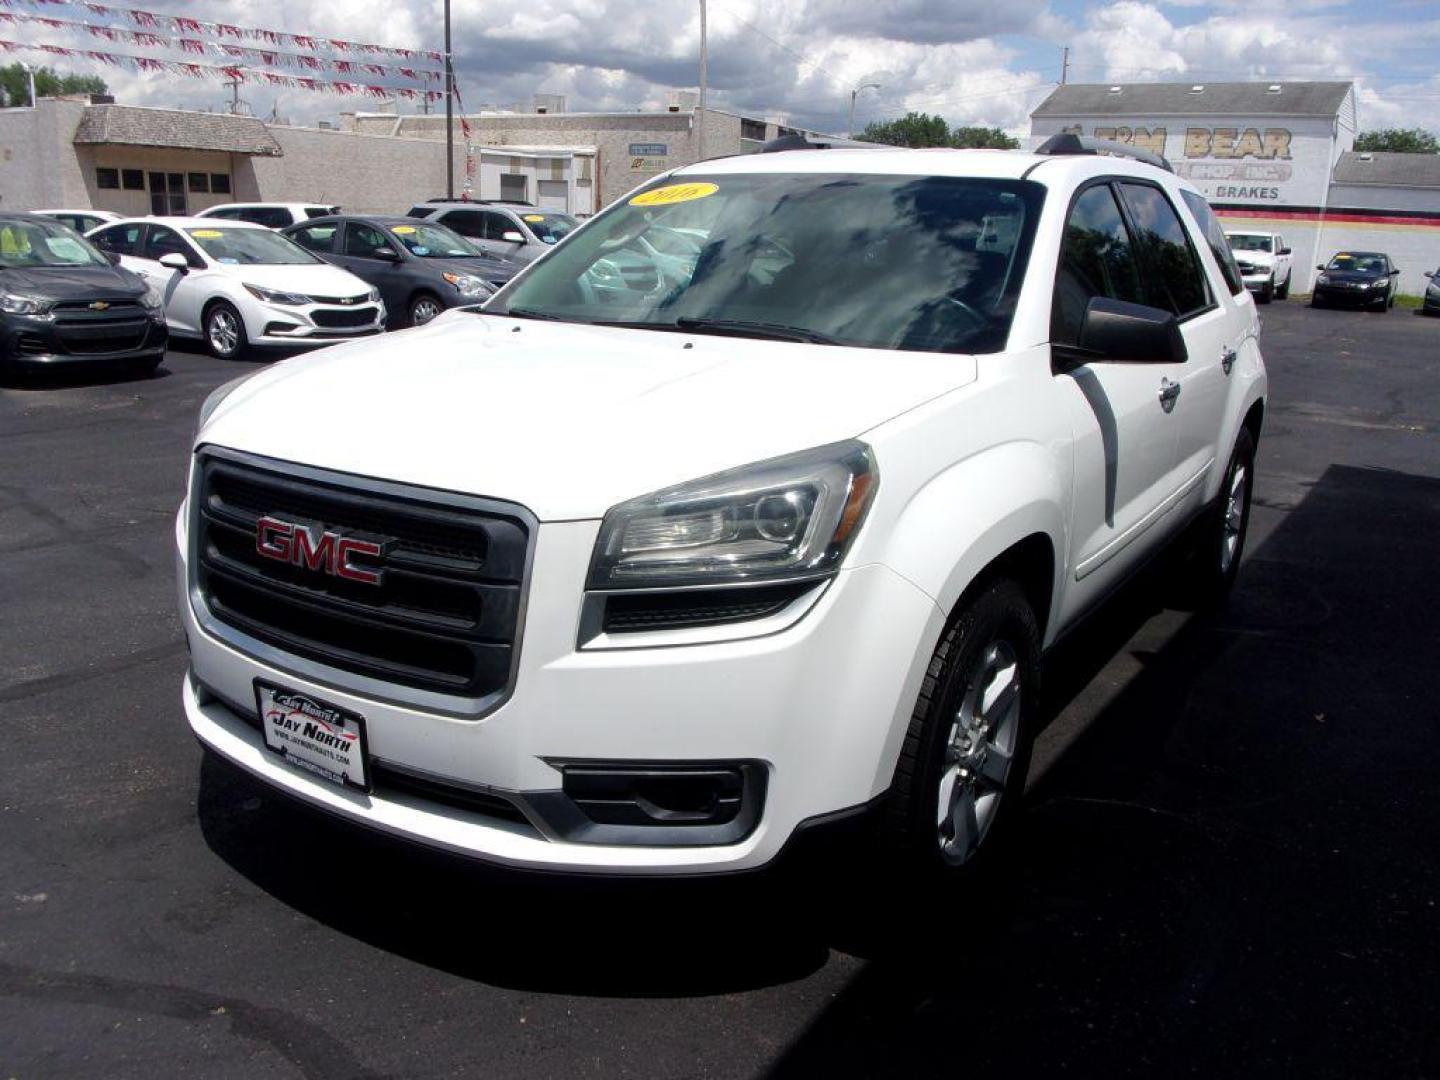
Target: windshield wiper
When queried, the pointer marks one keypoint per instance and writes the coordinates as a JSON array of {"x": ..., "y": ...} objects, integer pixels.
[
  {"x": 777, "y": 331},
  {"x": 522, "y": 313}
]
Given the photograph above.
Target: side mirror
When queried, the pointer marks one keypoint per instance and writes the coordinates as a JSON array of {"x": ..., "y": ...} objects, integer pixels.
[
  {"x": 112, "y": 257},
  {"x": 1120, "y": 332},
  {"x": 387, "y": 254},
  {"x": 1283, "y": 251},
  {"x": 1319, "y": 266},
  {"x": 1395, "y": 272},
  {"x": 1428, "y": 273},
  {"x": 175, "y": 261},
  {"x": 510, "y": 236}
]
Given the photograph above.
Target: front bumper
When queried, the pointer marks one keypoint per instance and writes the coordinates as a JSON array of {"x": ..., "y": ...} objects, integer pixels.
[
  {"x": 818, "y": 708},
  {"x": 1348, "y": 295},
  {"x": 1258, "y": 280},
  {"x": 27, "y": 340},
  {"x": 312, "y": 324}
]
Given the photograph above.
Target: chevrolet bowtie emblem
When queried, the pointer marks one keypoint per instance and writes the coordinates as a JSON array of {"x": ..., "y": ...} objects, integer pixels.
[{"x": 100, "y": 305}]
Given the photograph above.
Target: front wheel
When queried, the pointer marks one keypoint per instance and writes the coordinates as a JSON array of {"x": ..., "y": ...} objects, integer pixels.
[
  {"x": 424, "y": 308},
  {"x": 1283, "y": 292},
  {"x": 225, "y": 332},
  {"x": 1267, "y": 291},
  {"x": 963, "y": 762}
]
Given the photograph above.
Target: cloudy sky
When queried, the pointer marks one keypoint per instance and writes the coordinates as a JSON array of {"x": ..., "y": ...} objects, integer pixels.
[{"x": 973, "y": 61}]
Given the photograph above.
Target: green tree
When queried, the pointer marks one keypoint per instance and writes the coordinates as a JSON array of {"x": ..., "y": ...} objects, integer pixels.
[
  {"x": 15, "y": 85},
  {"x": 913, "y": 129},
  {"x": 1398, "y": 141},
  {"x": 991, "y": 138}
]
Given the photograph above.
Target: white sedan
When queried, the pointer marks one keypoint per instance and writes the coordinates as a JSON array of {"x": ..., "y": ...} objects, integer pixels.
[{"x": 235, "y": 285}]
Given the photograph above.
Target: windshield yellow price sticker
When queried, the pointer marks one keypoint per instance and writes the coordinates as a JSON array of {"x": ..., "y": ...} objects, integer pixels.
[
  {"x": 674, "y": 193},
  {"x": 403, "y": 230},
  {"x": 534, "y": 217},
  {"x": 206, "y": 234}
]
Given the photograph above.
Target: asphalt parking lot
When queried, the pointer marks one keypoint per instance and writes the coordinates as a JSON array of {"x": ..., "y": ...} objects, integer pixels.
[{"x": 1230, "y": 864}]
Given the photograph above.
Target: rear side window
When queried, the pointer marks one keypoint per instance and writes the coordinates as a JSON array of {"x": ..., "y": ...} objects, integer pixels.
[
  {"x": 121, "y": 239},
  {"x": 321, "y": 211},
  {"x": 228, "y": 213},
  {"x": 1216, "y": 240},
  {"x": 419, "y": 211},
  {"x": 1175, "y": 281},
  {"x": 320, "y": 238},
  {"x": 1097, "y": 258},
  {"x": 272, "y": 217}
]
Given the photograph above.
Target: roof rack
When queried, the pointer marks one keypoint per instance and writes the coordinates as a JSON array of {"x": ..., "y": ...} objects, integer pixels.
[
  {"x": 483, "y": 202},
  {"x": 1067, "y": 142}
]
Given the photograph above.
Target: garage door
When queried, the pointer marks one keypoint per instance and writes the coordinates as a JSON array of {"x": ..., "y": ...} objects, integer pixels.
[{"x": 554, "y": 194}]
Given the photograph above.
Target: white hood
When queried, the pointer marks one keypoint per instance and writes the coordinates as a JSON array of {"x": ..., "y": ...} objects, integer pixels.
[
  {"x": 312, "y": 279},
  {"x": 567, "y": 420}
]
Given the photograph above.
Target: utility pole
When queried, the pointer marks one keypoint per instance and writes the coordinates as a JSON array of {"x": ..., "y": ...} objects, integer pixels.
[
  {"x": 1064, "y": 64},
  {"x": 850, "y": 123},
  {"x": 700, "y": 113},
  {"x": 30, "y": 74},
  {"x": 449, "y": 111}
]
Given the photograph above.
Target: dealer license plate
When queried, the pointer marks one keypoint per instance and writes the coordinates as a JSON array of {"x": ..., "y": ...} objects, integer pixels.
[{"x": 314, "y": 735}]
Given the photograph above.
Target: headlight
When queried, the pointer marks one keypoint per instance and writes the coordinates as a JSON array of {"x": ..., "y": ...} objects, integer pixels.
[
  {"x": 272, "y": 296},
  {"x": 1323, "y": 279},
  {"x": 12, "y": 304},
  {"x": 791, "y": 517},
  {"x": 373, "y": 295},
  {"x": 212, "y": 402},
  {"x": 153, "y": 298},
  {"x": 467, "y": 284}
]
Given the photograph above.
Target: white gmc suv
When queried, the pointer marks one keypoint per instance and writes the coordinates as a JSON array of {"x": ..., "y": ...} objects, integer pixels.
[{"x": 675, "y": 552}]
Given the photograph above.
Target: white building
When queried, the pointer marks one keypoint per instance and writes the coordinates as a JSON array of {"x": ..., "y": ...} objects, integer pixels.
[{"x": 1272, "y": 156}]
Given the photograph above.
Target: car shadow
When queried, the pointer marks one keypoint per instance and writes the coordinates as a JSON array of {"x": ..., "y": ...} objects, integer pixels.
[
  {"x": 1231, "y": 871},
  {"x": 71, "y": 375},
  {"x": 1229, "y": 860}
]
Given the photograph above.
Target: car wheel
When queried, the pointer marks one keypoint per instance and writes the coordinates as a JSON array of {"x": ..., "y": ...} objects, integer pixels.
[
  {"x": 143, "y": 369},
  {"x": 963, "y": 762},
  {"x": 1315, "y": 300},
  {"x": 1220, "y": 540},
  {"x": 1283, "y": 292},
  {"x": 225, "y": 332},
  {"x": 424, "y": 308},
  {"x": 1267, "y": 292}
]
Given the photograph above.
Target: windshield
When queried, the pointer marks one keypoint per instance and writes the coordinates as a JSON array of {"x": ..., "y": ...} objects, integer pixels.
[
  {"x": 44, "y": 243},
  {"x": 1361, "y": 263},
  {"x": 549, "y": 228},
  {"x": 250, "y": 247},
  {"x": 1245, "y": 242},
  {"x": 886, "y": 262},
  {"x": 434, "y": 242}
]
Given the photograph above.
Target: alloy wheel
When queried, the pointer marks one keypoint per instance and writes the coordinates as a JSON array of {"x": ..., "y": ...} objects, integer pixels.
[
  {"x": 224, "y": 331},
  {"x": 1234, "y": 524}
]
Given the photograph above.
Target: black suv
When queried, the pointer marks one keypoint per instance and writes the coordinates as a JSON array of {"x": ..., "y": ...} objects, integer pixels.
[
  {"x": 62, "y": 301},
  {"x": 420, "y": 268},
  {"x": 1361, "y": 278}
]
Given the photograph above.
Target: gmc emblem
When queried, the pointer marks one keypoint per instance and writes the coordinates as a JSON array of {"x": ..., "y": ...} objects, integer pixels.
[{"x": 314, "y": 548}]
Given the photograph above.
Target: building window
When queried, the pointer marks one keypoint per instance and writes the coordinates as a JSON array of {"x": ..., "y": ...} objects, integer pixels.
[
  {"x": 752, "y": 129},
  {"x": 107, "y": 179},
  {"x": 134, "y": 179},
  {"x": 199, "y": 183},
  {"x": 219, "y": 183}
]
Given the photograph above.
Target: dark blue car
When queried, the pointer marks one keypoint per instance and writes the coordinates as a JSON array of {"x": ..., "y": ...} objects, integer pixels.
[{"x": 420, "y": 268}]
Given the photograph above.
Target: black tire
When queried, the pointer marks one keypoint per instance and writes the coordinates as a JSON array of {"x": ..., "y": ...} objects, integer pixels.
[
  {"x": 216, "y": 338},
  {"x": 1283, "y": 292},
  {"x": 143, "y": 369},
  {"x": 996, "y": 618},
  {"x": 1315, "y": 300},
  {"x": 1214, "y": 561},
  {"x": 420, "y": 303},
  {"x": 1267, "y": 292}
]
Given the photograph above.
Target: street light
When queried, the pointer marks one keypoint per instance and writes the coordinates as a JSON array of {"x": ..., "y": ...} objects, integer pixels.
[
  {"x": 700, "y": 112},
  {"x": 29, "y": 71},
  {"x": 850, "y": 126}
]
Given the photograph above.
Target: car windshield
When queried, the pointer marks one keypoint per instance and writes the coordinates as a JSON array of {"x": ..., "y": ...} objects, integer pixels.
[
  {"x": 549, "y": 228},
  {"x": 43, "y": 242},
  {"x": 885, "y": 262},
  {"x": 1246, "y": 242},
  {"x": 1365, "y": 264},
  {"x": 250, "y": 247},
  {"x": 434, "y": 242}
]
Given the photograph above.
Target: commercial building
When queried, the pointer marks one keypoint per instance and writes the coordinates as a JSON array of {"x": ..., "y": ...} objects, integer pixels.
[{"x": 1277, "y": 156}]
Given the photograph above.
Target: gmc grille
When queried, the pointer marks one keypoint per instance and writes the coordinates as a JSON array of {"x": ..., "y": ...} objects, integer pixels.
[{"x": 445, "y": 617}]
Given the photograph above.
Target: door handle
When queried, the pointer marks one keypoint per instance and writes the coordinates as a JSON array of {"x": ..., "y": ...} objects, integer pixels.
[
  {"x": 1227, "y": 359},
  {"x": 1169, "y": 394}
]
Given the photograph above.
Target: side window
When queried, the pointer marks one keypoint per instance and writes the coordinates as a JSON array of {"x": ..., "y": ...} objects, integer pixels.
[
  {"x": 363, "y": 241},
  {"x": 226, "y": 212},
  {"x": 1097, "y": 258},
  {"x": 1174, "y": 279},
  {"x": 166, "y": 241},
  {"x": 1215, "y": 240},
  {"x": 317, "y": 238},
  {"x": 272, "y": 217},
  {"x": 466, "y": 222},
  {"x": 497, "y": 225},
  {"x": 121, "y": 239}
]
